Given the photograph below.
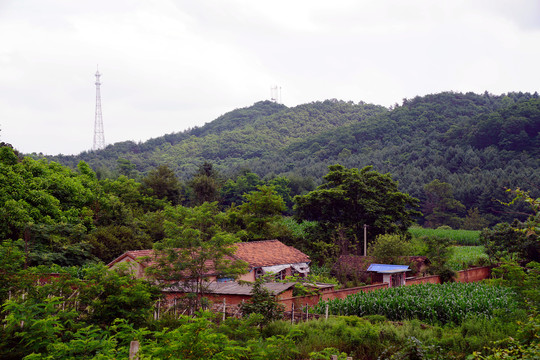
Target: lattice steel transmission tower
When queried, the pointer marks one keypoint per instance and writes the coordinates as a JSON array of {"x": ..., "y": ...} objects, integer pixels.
[
  {"x": 99, "y": 135},
  {"x": 275, "y": 94}
]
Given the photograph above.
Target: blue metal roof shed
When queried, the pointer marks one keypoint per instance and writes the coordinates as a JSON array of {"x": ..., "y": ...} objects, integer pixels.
[
  {"x": 393, "y": 275},
  {"x": 388, "y": 269}
]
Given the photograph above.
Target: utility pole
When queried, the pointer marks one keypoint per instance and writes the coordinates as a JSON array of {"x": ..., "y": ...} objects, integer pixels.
[
  {"x": 365, "y": 239},
  {"x": 99, "y": 134}
]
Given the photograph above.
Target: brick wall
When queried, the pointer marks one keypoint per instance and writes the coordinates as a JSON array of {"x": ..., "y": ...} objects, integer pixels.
[
  {"x": 470, "y": 275},
  {"x": 434, "y": 279},
  {"x": 311, "y": 300},
  {"x": 474, "y": 274}
]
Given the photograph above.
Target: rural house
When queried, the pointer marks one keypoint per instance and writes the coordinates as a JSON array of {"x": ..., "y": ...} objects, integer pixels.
[{"x": 263, "y": 257}]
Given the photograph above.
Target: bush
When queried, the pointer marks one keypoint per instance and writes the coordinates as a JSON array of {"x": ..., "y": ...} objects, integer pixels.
[{"x": 388, "y": 248}]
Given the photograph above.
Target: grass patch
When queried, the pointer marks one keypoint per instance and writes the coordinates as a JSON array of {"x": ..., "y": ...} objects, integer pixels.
[
  {"x": 458, "y": 237},
  {"x": 464, "y": 257}
]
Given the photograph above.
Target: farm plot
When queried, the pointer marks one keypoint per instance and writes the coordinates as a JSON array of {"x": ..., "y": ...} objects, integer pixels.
[{"x": 435, "y": 303}]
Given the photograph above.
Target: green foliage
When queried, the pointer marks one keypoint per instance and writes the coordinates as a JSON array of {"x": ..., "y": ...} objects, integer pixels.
[
  {"x": 474, "y": 220},
  {"x": 262, "y": 302},
  {"x": 116, "y": 294},
  {"x": 440, "y": 207},
  {"x": 163, "y": 184},
  {"x": 450, "y": 302},
  {"x": 259, "y": 216},
  {"x": 233, "y": 191},
  {"x": 456, "y": 237},
  {"x": 195, "y": 245},
  {"x": 524, "y": 344},
  {"x": 206, "y": 184},
  {"x": 387, "y": 248},
  {"x": 505, "y": 240},
  {"x": 464, "y": 257},
  {"x": 12, "y": 260},
  {"x": 352, "y": 198},
  {"x": 425, "y": 138},
  {"x": 525, "y": 281},
  {"x": 439, "y": 252}
]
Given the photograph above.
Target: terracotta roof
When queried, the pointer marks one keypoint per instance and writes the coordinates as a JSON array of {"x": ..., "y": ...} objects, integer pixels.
[
  {"x": 268, "y": 253},
  {"x": 255, "y": 253},
  {"x": 133, "y": 255}
]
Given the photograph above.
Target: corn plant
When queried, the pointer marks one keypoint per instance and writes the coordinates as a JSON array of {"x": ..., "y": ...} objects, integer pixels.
[
  {"x": 436, "y": 303},
  {"x": 458, "y": 237}
]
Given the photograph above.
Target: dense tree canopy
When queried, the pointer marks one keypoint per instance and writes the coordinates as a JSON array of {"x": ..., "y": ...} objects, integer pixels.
[
  {"x": 479, "y": 144},
  {"x": 353, "y": 198}
]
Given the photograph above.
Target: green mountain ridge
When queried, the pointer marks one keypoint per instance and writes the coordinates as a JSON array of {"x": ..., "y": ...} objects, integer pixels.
[{"x": 479, "y": 143}]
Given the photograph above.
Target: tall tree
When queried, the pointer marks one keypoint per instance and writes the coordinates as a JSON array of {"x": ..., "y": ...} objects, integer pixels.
[
  {"x": 205, "y": 184},
  {"x": 352, "y": 198},
  {"x": 194, "y": 248},
  {"x": 440, "y": 207},
  {"x": 163, "y": 183}
]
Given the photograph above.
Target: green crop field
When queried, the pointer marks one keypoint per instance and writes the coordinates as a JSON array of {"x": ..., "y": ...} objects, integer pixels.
[
  {"x": 458, "y": 237},
  {"x": 464, "y": 257},
  {"x": 435, "y": 303}
]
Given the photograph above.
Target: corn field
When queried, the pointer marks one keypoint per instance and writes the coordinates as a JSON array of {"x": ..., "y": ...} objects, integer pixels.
[
  {"x": 436, "y": 303},
  {"x": 458, "y": 237}
]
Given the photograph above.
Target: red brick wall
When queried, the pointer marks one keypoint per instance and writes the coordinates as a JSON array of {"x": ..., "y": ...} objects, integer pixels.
[
  {"x": 434, "y": 279},
  {"x": 311, "y": 300},
  {"x": 470, "y": 275},
  {"x": 474, "y": 274}
]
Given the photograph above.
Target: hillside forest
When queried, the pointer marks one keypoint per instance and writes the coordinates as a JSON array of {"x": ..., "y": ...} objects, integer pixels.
[
  {"x": 315, "y": 177},
  {"x": 477, "y": 145}
]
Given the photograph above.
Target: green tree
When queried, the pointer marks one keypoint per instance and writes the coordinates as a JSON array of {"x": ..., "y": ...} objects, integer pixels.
[
  {"x": 352, "y": 198},
  {"x": 125, "y": 167},
  {"x": 233, "y": 191},
  {"x": 388, "y": 248},
  {"x": 262, "y": 302},
  {"x": 206, "y": 184},
  {"x": 439, "y": 252},
  {"x": 163, "y": 184},
  {"x": 440, "y": 207},
  {"x": 474, "y": 220},
  {"x": 195, "y": 248},
  {"x": 12, "y": 260},
  {"x": 259, "y": 217}
]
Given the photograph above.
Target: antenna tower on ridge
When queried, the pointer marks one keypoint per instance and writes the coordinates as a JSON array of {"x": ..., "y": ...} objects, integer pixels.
[
  {"x": 99, "y": 134},
  {"x": 275, "y": 94}
]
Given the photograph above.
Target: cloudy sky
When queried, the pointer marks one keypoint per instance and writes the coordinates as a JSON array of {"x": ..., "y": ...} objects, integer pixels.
[{"x": 168, "y": 65}]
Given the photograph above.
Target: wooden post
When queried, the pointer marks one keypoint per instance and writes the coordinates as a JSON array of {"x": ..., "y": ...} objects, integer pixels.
[
  {"x": 307, "y": 312},
  {"x": 292, "y": 313},
  {"x": 133, "y": 350},
  {"x": 326, "y": 312}
]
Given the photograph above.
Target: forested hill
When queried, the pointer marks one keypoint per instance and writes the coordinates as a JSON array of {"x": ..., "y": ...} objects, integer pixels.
[
  {"x": 479, "y": 144},
  {"x": 251, "y": 133}
]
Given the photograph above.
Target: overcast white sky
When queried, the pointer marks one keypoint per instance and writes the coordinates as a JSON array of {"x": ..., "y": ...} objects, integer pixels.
[{"x": 168, "y": 65}]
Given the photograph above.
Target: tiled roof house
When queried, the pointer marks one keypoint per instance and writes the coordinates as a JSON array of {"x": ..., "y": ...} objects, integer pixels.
[{"x": 263, "y": 257}]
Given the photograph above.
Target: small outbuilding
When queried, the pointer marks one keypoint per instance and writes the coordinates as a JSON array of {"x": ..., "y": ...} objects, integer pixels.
[{"x": 393, "y": 275}]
